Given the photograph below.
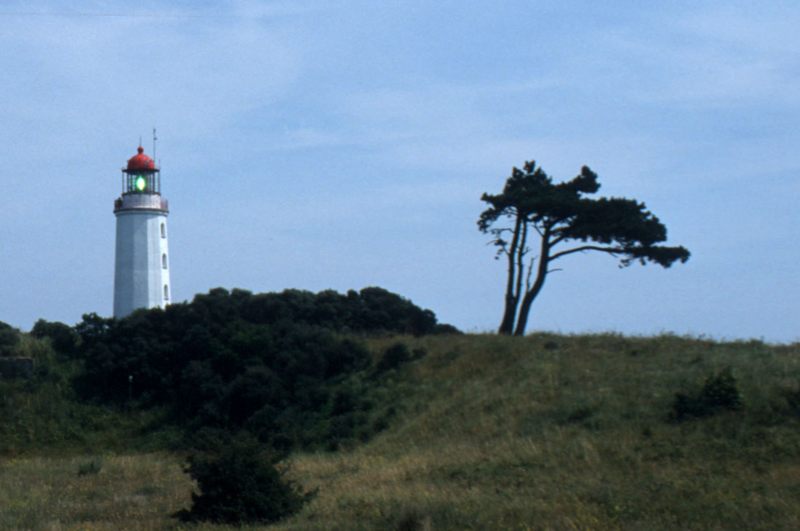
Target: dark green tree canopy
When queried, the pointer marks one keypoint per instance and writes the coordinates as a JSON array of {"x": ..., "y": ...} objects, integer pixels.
[
  {"x": 9, "y": 337},
  {"x": 566, "y": 222},
  {"x": 287, "y": 367}
]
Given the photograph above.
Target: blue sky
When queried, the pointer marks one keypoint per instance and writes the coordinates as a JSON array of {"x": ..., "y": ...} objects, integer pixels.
[{"x": 343, "y": 144}]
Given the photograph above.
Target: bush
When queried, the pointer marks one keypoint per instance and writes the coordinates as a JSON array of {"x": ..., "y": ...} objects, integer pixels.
[
  {"x": 446, "y": 329},
  {"x": 91, "y": 467},
  {"x": 63, "y": 338},
  {"x": 9, "y": 338},
  {"x": 719, "y": 393},
  {"x": 239, "y": 483}
]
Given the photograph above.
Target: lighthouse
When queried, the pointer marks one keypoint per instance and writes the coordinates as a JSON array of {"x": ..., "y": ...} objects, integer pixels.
[{"x": 141, "y": 262}]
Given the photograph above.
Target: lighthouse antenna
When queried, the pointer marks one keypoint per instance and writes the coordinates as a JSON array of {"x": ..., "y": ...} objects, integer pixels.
[{"x": 154, "y": 143}]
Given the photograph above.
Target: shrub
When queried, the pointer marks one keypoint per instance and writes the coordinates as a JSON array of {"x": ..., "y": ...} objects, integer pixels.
[
  {"x": 63, "y": 338},
  {"x": 91, "y": 467},
  {"x": 239, "y": 483},
  {"x": 719, "y": 393},
  {"x": 446, "y": 329}
]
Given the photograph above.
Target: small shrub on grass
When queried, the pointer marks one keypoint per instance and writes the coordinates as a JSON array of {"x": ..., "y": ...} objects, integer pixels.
[
  {"x": 551, "y": 345},
  {"x": 719, "y": 393},
  {"x": 447, "y": 329},
  {"x": 91, "y": 467},
  {"x": 239, "y": 483}
]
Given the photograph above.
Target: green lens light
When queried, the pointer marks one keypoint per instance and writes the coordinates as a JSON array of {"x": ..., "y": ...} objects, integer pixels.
[{"x": 140, "y": 183}]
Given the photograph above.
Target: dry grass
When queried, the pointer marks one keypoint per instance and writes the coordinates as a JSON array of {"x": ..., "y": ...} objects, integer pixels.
[
  {"x": 128, "y": 492},
  {"x": 544, "y": 432}
]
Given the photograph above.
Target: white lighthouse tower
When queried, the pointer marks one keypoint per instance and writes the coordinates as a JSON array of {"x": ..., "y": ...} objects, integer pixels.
[{"x": 141, "y": 268}]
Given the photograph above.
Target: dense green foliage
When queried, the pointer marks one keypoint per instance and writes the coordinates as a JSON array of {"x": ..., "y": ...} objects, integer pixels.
[
  {"x": 9, "y": 337},
  {"x": 239, "y": 482},
  {"x": 43, "y": 412},
  {"x": 290, "y": 368},
  {"x": 63, "y": 338},
  {"x": 281, "y": 366},
  {"x": 562, "y": 214}
]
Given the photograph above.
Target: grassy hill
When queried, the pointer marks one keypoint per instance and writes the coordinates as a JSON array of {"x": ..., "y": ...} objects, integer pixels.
[{"x": 542, "y": 432}]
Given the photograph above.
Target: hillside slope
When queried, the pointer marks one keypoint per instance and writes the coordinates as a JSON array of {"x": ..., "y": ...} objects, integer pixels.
[
  {"x": 552, "y": 432},
  {"x": 542, "y": 432}
]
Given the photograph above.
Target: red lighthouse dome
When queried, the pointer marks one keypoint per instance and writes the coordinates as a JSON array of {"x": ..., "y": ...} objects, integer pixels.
[{"x": 140, "y": 161}]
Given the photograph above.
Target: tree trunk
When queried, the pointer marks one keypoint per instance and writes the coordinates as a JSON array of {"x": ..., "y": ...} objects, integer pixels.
[
  {"x": 532, "y": 292},
  {"x": 525, "y": 309},
  {"x": 509, "y": 315},
  {"x": 512, "y": 294}
]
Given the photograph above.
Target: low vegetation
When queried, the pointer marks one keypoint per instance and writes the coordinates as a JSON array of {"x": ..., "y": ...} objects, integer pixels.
[
  {"x": 718, "y": 394},
  {"x": 551, "y": 432},
  {"x": 239, "y": 480},
  {"x": 476, "y": 432}
]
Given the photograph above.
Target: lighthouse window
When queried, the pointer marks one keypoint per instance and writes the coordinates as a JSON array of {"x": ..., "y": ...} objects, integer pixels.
[
  {"x": 164, "y": 261},
  {"x": 163, "y": 231},
  {"x": 166, "y": 292}
]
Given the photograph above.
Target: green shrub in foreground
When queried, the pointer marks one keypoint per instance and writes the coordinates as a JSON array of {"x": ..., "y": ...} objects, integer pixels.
[{"x": 239, "y": 483}]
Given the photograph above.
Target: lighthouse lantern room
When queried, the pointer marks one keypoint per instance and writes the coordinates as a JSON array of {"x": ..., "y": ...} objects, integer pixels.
[{"x": 141, "y": 263}]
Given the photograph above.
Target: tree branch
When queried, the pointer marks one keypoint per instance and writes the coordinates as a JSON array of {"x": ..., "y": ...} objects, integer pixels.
[
  {"x": 528, "y": 276},
  {"x": 557, "y": 240},
  {"x": 609, "y": 250},
  {"x": 521, "y": 252},
  {"x": 531, "y": 292}
]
